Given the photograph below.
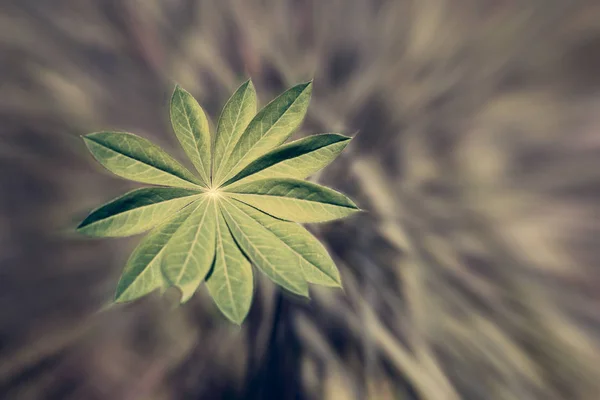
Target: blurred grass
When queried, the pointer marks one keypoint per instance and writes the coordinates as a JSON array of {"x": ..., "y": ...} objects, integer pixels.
[{"x": 473, "y": 275}]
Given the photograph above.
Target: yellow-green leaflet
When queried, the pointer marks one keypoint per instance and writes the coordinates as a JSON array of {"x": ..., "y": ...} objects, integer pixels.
[
  {"x": 243, "y": 207},
  {"x": 188, "y": 256},
  {"x": 191, "y": 128},
  {"x": 231, "y": 282},
  {"x": 135, "y": 158},
  {"x": 136, "y": 211},
  {"x": 294, "y": 200},
  {"x": 234, "y": 119},
  {"x": 142, "y": 273},
  {"x": 297, "y": 159}
]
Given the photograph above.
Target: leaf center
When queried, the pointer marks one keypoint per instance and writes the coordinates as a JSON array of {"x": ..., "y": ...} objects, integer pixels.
[{"x": 214, "y": 193}]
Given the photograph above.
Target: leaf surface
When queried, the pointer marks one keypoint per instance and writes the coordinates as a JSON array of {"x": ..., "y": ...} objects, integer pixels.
[
  {"x": 142, "y": 273},
  {"x": 231, "y": 282},
  {"x": 269, "y": 128},
  {"x": 190, "y": 252},
  {"x": 135, "y": 158},
  {"x": 191, "y": 128},
  {"x": 298, "y": 159},
  {"x": 279, "y": 263},
  {"x": 294, "y": 200},
  {"x": 316, "y": 264},
  {"x": 136, "y": 211},
  {"x": 243, "y": 208},
  {"x": 234, "y": 119}
]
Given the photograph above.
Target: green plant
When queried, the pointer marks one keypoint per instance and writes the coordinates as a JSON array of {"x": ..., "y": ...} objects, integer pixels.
[{"x": 243, "y": 207}]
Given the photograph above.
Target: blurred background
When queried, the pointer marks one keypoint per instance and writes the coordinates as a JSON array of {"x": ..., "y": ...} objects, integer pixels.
[{"x": 473, "y": 275}]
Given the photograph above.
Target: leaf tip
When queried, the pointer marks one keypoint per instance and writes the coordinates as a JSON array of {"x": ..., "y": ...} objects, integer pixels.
[
  {"x": 304, "y": 292},
  {"x": 84, "y": 228},
  {"x": 117, "y": 298},
  {"x": 248, "y": 84},
  {"x": 119, "y": 293},
  {"x": 81, "y": 227},
  {"x": 94, "y": 137},
  {"x": 178, "y": 89},
  {"x": 235, "y": 318},
  {"x": 337, "y": 282},
  {"x": 179, "y": 92}
]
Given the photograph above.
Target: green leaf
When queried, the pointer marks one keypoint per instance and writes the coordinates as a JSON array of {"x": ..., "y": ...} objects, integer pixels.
[
  {"x": 135, "y": 158},
  {"x": 279, "y": 263},
  {"x": 190, "y": 252},
  {"x": 142, "y": 273},
  {"x": 230, "y": 283},
  {"x": 297, "y": 159},
  {"x": 191, "y": 128},
  {"x": 316, "y": 264},
  {"x": 269, "y": 128},
  {"x": 136, "y": 211},
  {"x": 244, "y": 208},
  {"x": 236, "y": 115},
  {"x": 294, "y": 200}
]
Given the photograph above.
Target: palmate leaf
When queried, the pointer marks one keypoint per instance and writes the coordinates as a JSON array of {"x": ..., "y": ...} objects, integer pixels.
[{"x": 243, "y": 208}]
